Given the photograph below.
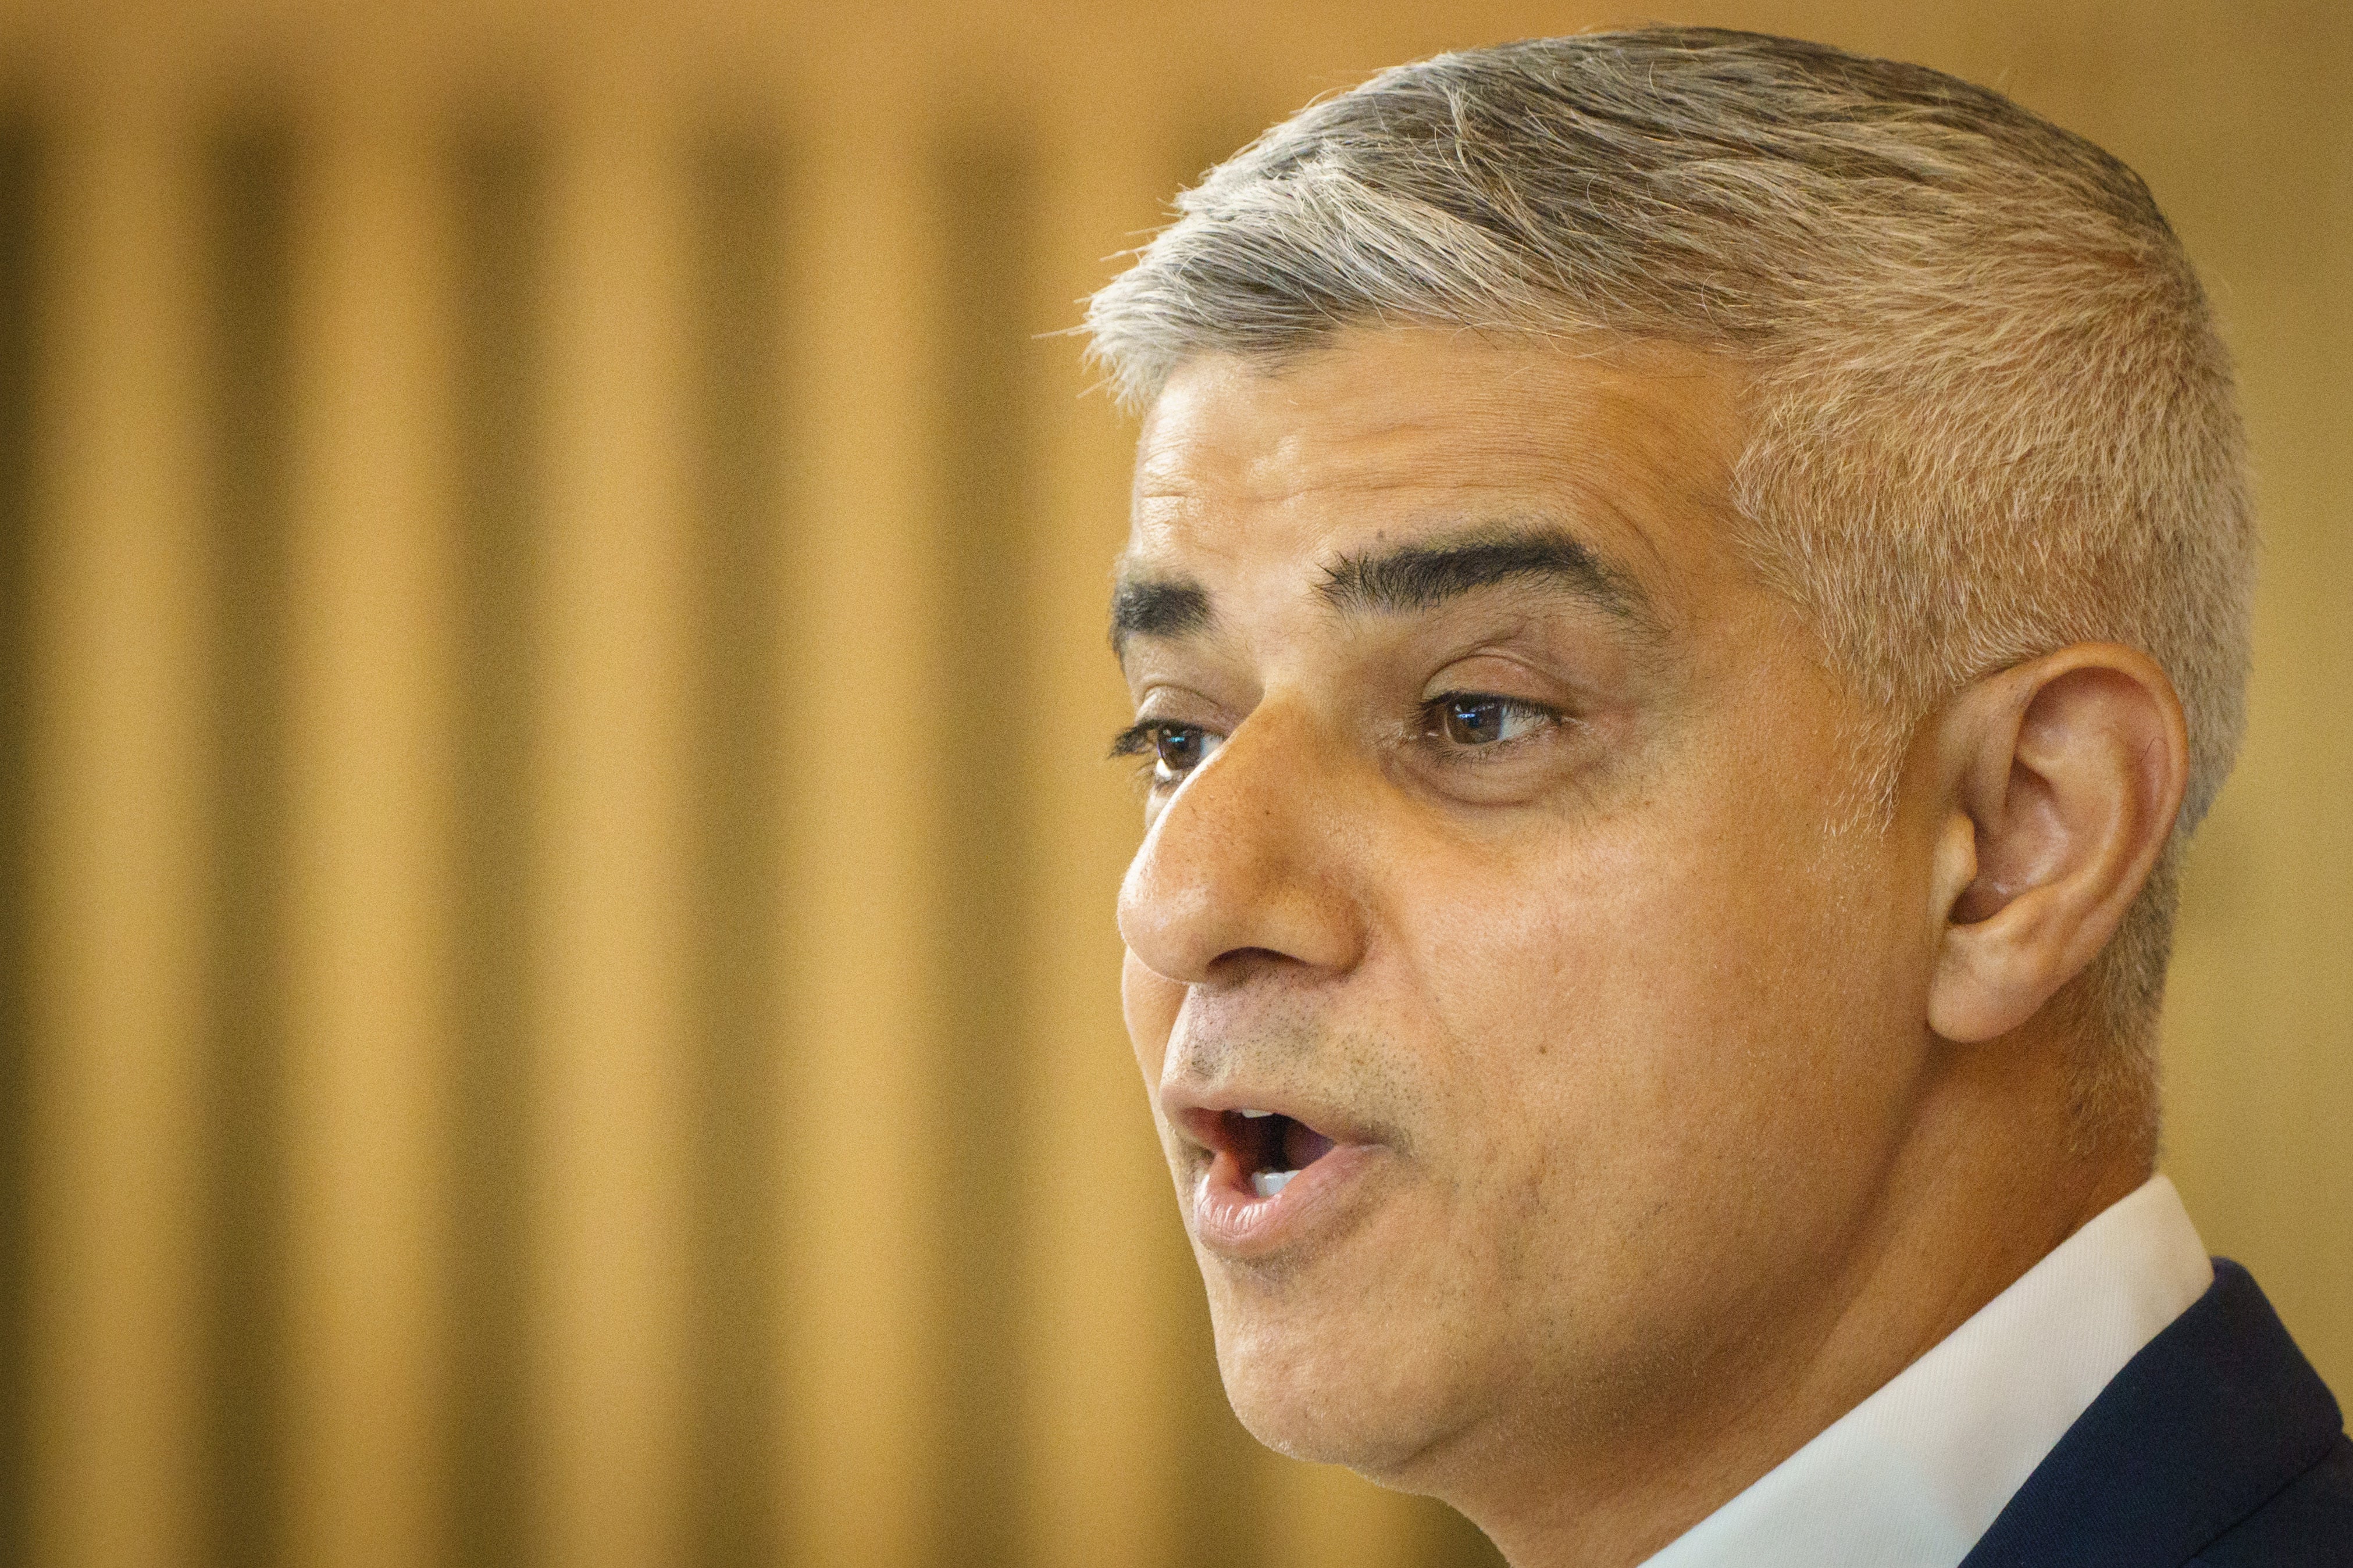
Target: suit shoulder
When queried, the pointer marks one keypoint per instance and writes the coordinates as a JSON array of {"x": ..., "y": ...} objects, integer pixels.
[{"x": 2308, "y": 1523}]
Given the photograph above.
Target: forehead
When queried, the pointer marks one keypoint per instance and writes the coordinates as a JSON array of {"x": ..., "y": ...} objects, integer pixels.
[{"x": 1387, "y": 437}]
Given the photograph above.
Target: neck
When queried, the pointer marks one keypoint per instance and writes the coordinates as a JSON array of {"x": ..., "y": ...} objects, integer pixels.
[{"x": 1989, "y": 1178}]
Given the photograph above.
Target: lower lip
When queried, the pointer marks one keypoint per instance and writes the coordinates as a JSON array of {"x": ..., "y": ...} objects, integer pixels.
[{"x": 1231, "y": 1220}]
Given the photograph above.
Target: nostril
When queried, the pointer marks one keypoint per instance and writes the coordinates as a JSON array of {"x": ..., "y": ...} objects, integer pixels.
[{"x": 1237, "y": 963}]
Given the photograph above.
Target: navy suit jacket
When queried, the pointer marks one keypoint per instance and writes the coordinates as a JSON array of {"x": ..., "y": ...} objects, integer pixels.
[{"x": 2218, "y": 1446}]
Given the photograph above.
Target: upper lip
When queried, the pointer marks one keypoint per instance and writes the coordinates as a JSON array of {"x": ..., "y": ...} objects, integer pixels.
[{"x": 1199, "y": 1115}]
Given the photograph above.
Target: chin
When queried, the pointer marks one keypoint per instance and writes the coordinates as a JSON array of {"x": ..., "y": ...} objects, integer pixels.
[{"x": 1331, "y": 1386}]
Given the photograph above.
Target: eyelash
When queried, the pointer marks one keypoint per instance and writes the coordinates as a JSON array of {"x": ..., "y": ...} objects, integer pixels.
[
  {"x": 1142, "y": 739},
  {"x": 1138, "y": 738}
]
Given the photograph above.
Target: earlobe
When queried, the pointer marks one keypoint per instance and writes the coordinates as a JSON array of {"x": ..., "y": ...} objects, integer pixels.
[{"x": 2062, "y": 779}]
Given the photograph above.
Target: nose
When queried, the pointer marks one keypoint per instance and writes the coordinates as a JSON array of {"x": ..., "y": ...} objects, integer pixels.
[{"x": 1247, "y": 862}]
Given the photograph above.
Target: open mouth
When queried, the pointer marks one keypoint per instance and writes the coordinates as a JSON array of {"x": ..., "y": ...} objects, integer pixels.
[
  {"x": 1249, "y": 1202},
  {"x": 1269, "y": 1148}
]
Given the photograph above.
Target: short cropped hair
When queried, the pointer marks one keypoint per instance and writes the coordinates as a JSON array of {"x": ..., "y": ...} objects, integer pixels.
[{"x": 1991, "y": 413}]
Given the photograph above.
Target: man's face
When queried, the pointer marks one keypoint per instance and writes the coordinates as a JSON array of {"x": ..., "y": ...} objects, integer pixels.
[{"x": 1490, "y": 849}]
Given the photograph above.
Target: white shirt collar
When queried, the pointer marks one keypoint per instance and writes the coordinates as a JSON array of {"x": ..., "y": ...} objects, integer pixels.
[{"x": 1910, "y": 1477}]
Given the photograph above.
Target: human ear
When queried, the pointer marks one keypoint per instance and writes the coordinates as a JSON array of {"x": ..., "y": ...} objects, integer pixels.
[{"x": 2061, "y": 778}]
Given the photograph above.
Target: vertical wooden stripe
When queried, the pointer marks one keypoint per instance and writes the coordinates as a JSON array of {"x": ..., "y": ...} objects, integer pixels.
[
  {"x": 738, "y": 191},
  {"x": 20, "y": 302},
  {"x": 249, "y": 196},
  {"x": 368, "y": 806},
  {"x": 778, "y": 1190},
  {"x": 121, "y": 773},
  {"x": 866, "y": 752},
  {"x": 495, "y": 383},
  {"x": 984, "y": 469},
  {"x": 611, "y": 1292}
]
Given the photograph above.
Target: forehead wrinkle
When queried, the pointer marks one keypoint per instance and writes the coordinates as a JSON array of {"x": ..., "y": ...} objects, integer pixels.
[
  {"x": 1239, "y": 467},
  {"x": 1629, "y": 488}
]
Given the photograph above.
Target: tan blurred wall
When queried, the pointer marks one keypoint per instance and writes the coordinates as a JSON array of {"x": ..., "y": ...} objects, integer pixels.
[{"x": 563, "y": 1007}]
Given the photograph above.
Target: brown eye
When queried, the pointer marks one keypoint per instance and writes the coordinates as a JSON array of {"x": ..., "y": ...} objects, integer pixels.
[
  {"x": 1468, "y": 719},
  {"x": 1177, "y": 750}
]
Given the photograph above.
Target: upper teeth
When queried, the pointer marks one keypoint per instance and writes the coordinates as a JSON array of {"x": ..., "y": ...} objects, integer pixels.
[{"x": 1255, "y": 1115}]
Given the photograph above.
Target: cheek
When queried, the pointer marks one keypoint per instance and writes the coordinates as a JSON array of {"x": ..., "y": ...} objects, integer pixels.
[
  {"x": 1150, "y": 1003},
  {"x": 1644, "y": 1009},
  {"x": 1598, "y": 948}
]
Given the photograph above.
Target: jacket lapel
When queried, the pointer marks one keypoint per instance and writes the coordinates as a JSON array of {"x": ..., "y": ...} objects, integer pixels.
[{"x": 2212, "y": 1418}]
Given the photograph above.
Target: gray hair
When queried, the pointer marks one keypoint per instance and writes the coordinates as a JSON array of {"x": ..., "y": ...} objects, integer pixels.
[{"x": 1993, "y": 415}]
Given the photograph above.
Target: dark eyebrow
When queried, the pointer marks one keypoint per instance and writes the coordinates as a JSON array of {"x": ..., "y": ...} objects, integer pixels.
[
  {"x": 1416, "y": 577},
  {"x": 1160, "y": 607}
]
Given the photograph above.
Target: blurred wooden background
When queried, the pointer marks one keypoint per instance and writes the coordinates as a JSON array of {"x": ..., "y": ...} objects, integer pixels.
[{"x": 557, "y": 990}]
